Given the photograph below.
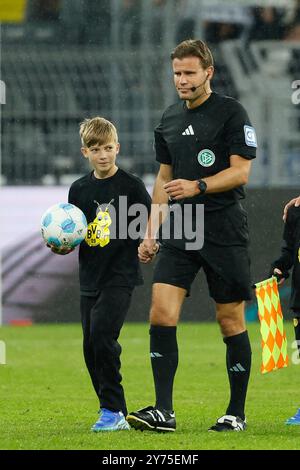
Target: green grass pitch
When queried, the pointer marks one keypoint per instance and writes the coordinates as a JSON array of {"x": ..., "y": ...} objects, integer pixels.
[{"x": 47, "y": 401}]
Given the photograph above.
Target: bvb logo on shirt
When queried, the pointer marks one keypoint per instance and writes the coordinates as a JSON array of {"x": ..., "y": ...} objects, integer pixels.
[
  {"x": 206, "y": 157},
  {"x": 98, "y": 233}
]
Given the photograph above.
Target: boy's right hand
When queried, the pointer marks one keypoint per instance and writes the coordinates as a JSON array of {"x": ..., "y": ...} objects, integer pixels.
[
  {"x": 60, "y": 250},
  {"x": 279, "y": 275}
]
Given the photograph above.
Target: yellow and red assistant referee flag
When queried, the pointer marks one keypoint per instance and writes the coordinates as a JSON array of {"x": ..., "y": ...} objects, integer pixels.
[{"x": 274, "y": 342}]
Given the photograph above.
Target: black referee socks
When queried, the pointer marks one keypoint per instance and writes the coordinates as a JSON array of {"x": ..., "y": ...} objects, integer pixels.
[
  {"x": 238, "y": 362},
  {"x": 164, "y": 361}
]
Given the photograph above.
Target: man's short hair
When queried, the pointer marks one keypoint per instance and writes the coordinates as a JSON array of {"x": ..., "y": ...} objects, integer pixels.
[
  {"x": 97, "y": 130},
  {"x": 194, "y": 48}
]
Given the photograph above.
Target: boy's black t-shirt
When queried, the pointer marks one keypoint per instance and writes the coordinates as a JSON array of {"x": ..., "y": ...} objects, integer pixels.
[
  {"x": 108, "y": 256},
  {"x": 290, "y": 254}
]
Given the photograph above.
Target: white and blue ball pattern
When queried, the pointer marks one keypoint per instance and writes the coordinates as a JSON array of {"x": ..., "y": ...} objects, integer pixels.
[{"x": 63, "y": 225}]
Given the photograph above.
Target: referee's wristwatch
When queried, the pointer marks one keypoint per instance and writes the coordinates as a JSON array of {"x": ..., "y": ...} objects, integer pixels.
[{"x": 202, "y": 186}]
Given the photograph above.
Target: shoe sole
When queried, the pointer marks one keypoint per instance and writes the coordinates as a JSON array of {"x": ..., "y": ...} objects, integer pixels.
[
  {"x": 110, "y": 430},
  {"x": 140, "y": 425},
  {"x": 225, "y": 430},
  {"x": 124, "y": 428}
]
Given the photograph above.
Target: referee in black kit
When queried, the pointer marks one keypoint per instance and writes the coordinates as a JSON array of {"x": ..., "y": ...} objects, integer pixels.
[{"x": 204, "y": 144}]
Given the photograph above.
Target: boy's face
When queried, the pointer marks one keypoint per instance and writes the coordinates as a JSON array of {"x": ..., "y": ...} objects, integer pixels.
[{"x": 102, "y": 158}]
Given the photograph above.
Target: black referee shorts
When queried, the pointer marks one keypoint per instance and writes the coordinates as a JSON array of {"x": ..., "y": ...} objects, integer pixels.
[{"x": 226, "y": 264}]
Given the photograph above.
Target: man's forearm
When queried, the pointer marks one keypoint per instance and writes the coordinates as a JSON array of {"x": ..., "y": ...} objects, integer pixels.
[
  {"x": 159, "y": 209},
  {"x": 225, "y": 180},
  {"x": 232, "y": 177}
]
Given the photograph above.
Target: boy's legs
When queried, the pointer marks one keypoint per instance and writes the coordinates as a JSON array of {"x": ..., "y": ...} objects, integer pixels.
[
  {"x": 103, "y": 351},
  {"x": 86, "y": 305}
]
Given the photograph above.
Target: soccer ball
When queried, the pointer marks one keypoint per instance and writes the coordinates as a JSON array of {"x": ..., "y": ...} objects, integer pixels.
[{"x": 63, "y": 225}]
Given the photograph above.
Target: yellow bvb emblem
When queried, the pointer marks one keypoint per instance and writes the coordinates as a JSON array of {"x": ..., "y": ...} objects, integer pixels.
[{"x": 98, "y": 233}]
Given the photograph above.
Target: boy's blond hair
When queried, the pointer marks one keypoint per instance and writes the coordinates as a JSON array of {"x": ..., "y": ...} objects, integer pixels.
[{"x": 97, "y": 130}]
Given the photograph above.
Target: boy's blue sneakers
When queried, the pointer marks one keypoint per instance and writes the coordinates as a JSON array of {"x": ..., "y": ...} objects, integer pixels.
[
  {"x": 110, "y": 421},
  {"x": 294, "y": 420}
]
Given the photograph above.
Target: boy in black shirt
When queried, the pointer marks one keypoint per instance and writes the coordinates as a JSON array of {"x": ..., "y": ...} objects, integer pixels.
[
  {"x": 108, "y": 264},
  {"x": 290, "y": 258}
]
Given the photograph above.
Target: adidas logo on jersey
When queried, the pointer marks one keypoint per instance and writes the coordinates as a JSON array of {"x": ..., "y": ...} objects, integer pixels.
[{"x": 189, "y": 131}]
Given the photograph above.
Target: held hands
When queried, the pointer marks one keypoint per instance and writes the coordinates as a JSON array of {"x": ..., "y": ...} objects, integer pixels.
[
  {"x": 180, "y": 189},
  {"x": 63, "y": 250},
  {"x": 147, "y": 250}
]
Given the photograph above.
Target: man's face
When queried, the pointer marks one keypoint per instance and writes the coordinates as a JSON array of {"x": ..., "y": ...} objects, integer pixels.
[
  {"x": 189, "y": 73},
  {"x": 102, "y": 157}
]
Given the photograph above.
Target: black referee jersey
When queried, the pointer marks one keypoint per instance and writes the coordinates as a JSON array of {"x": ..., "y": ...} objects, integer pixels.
[
  {"x": 290, "y": 254},
  {"x": 198, "y": 143}
]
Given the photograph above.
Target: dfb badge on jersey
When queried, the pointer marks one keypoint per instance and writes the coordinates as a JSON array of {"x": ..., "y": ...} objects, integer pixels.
[
  {"x": 250, "y": 136},
  {"x": 206, "y": 157}
]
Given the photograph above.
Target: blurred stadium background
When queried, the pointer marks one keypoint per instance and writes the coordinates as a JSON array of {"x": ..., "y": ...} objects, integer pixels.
[{"x": 64, "y": 60}]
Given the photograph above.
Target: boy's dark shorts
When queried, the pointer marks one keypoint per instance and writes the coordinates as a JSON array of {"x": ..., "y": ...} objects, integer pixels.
[{"x": 227, "y": 270}]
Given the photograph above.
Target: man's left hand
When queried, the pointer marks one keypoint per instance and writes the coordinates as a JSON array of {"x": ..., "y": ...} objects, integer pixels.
[{"x": 180, "y": 189}]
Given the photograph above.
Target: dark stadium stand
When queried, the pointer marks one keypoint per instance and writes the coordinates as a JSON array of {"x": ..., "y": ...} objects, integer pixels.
[{"x": 50, "y": 92}]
